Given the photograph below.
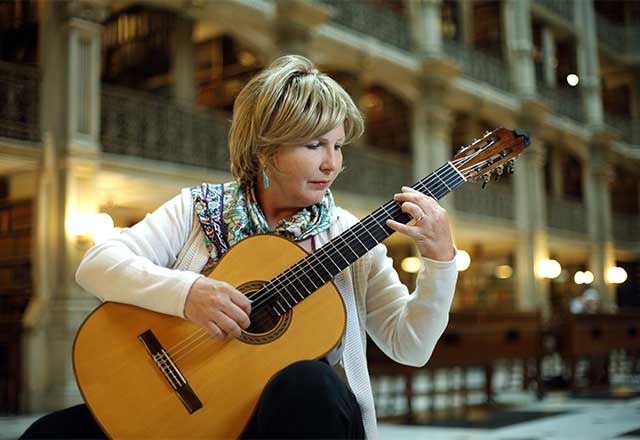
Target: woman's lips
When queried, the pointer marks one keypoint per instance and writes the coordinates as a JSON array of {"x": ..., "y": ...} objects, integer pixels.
[{"x": 321, "y": 183}]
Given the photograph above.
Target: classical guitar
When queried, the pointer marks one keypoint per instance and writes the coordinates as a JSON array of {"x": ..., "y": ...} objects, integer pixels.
[{"x": 149, "y": 375}]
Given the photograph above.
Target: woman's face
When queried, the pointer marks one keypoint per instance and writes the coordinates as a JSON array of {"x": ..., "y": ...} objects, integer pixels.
[{"x": 304, "y": 172}]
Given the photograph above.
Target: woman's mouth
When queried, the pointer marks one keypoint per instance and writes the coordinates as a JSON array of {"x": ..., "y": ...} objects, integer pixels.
[{"x": 321, "y": 183}]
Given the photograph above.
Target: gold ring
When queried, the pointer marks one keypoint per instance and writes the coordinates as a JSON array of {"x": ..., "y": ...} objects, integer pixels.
[{"x": 420, "y": 218}]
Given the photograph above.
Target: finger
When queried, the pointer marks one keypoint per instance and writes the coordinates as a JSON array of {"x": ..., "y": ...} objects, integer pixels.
[
  {"x": 399, "y": 227},
  {"x": 412, "y": 209},
  {"x": 228, "y": 325},
  {"x": 214, "y": 331},
  {"x": 240, "y": 299},
  {"x": 234, "y": 312},
  {"x": 409, "y": 190}
]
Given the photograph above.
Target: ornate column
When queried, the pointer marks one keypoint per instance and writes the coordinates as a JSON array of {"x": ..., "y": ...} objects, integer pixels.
[
  {"x": 294, "y": 24},
  {"x": 431, "y": 134},
  {"x": 425, "y": 17},
  {"x": 183, "y": 60},
  {"x": 598, "y": 174},
  {"x": 70, "y": 61},
  {"x": 532, "y": 291},
  {"x": 517, "y": 24},
  {"x": 588, "y": 62}
]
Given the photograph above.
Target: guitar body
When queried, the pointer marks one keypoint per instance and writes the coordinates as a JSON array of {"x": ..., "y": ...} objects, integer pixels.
[{"x": 130, "y": 396}]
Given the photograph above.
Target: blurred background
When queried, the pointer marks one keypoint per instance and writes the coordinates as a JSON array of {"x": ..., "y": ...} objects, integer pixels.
[{"x": 108, "y": 108}]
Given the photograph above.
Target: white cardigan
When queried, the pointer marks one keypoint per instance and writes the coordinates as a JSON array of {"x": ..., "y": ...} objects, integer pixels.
[{"x": 154, "y": 263}]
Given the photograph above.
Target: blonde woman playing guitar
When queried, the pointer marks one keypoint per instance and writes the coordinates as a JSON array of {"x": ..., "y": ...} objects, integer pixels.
[{"x": 240, "y": 310}]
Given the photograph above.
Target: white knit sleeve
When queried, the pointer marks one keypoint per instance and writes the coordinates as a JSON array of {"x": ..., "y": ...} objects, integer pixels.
[
  {"x": 132, "y": 268},
  {"x": 407, "y": 326}
]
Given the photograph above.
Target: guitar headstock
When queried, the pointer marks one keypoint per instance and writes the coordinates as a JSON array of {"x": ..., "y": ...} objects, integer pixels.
[{"x": 493, "y": 153}]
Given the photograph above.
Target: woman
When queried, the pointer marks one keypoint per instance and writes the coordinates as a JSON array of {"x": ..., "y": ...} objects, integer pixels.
[{"x": 289, "y": 125}]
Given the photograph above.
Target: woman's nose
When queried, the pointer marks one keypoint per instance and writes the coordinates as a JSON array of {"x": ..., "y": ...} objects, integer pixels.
[{"x": 330, "y": 159}]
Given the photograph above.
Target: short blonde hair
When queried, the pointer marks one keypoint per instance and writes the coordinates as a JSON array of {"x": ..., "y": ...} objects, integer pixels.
[{"x": 289, "y": 103}]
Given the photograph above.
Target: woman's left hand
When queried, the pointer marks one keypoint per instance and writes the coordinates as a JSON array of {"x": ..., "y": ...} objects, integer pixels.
[{"x": 431, "y": 231}]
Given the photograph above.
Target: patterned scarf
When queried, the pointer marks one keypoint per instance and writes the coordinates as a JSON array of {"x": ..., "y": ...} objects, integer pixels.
[{"x": 243, "y": 217}]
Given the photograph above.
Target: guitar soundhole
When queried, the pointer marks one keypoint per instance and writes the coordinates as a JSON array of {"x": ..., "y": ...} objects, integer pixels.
[{"x": 265, "y": 324}]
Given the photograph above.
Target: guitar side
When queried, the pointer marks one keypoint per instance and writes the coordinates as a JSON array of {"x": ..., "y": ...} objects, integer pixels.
[{"x": 129, "y": 395}]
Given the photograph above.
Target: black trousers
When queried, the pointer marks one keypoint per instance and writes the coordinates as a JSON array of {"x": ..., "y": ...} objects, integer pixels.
[{"x": 305, "y": 400}]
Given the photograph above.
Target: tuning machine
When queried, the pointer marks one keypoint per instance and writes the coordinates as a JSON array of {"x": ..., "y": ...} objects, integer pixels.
[
  {"x": 485, "y": 180},
  {"x": 511, "y": 165},
  {"x": 499, "y": 171}
]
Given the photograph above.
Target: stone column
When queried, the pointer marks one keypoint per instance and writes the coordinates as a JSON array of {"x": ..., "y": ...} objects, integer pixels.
[
  {"x": 532, "y": 291},
  {"x": 465, "y": 21},
  {"x": 294, "y": 24},
  {"x": 598, "y": 173},
  {"x": 183, "y": 60},
  {"x": 556, "y": 172},
  {"x": 431, "y": 138},
  {"x": 70, "y": 62},
  {"x": 516, "y": 16},
  {"x": 549, "y": 57},
  {"x": 588, "y": 62},
  {"x": 425, "y": 17}
]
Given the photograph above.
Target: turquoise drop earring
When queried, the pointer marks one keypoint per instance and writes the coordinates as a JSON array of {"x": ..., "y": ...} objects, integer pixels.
[{"x": 265, "y": 178}]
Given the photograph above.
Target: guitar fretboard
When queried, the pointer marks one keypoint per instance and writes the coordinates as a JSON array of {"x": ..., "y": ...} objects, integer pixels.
[{"x": 305, "y": 277}]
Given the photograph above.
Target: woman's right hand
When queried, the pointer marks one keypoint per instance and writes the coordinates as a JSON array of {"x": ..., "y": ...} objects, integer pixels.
[{"x": 217, "y": 307}]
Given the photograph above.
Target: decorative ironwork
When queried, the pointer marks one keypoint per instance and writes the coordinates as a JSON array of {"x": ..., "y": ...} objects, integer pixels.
[
  {"x": 493, "y": 201},
  {"x": 19, "y": 102},
  {"x": 480, "y": 66},
  {"x": 372, "y": 174},
  {"x": 563, "y": 101},
  {"x": 143, "y": 125},
  {"x": 626, "y": 227},
  {"x": 566, "y": 215},
  {"x": 371, "y": 19},
  {"x": 629, "y": 129},
  {"x": 563, "y": 8}
]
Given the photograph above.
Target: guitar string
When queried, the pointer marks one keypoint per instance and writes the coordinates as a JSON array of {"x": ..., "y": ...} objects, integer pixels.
[
  {"x": 421, "y": 185},
  {"x": 202, "y": 332}
]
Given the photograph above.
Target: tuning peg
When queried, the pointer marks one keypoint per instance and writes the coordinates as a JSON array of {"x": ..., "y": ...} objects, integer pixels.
[
  {"x": 499, "y": 171},
  {"x": 512, "y": 165},
  {"x": 485, "y": 180}
]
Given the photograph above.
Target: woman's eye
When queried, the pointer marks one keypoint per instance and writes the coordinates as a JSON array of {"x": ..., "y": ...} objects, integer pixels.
[
  {"x": 338, "y": 147},
  {"x": 313, "y": 146}
]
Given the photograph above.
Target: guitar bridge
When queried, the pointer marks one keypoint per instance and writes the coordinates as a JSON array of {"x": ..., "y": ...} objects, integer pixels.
[{"x": 170, "y": 371}]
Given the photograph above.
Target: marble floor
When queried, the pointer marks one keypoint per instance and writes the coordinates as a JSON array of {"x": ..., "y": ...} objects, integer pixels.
[{"x": 566, "y": 418}]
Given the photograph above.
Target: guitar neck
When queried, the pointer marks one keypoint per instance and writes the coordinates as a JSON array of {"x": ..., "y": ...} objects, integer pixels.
[{"x": 321, "y": 266}]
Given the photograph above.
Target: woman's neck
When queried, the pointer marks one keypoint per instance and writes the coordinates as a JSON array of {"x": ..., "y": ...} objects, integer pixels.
[{"x": 268, "y": 202}]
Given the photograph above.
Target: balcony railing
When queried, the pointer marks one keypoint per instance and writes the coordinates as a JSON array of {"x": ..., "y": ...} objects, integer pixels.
[
  {"x": 374, "y": 20},
  {"x": 150, "y": 127},
  {"x": 563, "y": 8},
  {"x": 611, "y": 34},
  {"x": 566, "y": 215},
  {"x": 629, "y": 129},
  {"x": 494, "y": 201},
  {"x": 19, "y": 102},
  {"x": 376, "y": 175},
  {"x": 563, "y": 101},
  {"x": 626, "y": 227},
  {"x": 480, "y": 66}
]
